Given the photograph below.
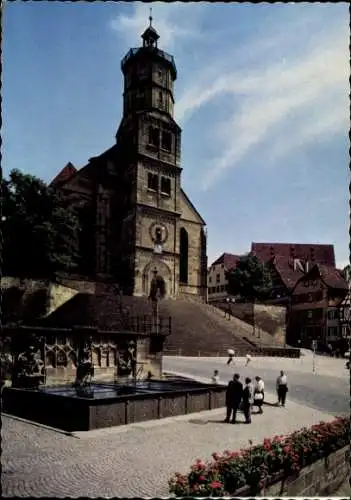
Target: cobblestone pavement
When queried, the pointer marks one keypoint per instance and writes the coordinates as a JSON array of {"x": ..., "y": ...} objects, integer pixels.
[{"x": 127, "y": 461}]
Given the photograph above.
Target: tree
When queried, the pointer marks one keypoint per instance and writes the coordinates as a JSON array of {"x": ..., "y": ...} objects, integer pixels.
[
  {"x": 249, "y": 279},
  {"x": 39, "y": 229}
]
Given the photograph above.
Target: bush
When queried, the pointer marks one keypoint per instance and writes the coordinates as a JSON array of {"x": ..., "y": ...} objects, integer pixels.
[{"x": 253, "y": 467}]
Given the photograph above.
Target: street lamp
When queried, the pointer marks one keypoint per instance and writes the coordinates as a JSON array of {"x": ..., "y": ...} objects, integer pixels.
[{"x": 229, "y": 301}]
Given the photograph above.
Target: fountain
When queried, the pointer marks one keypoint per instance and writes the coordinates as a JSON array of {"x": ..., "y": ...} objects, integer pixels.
[{"x": 50, "y": 387}]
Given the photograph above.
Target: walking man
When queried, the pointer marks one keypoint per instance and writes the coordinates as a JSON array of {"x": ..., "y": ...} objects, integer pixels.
[
  {"x": 248, "y": 359},
  {"x": 233, "y": 398},
  {"x": 247, "y": 400},
  {"x": 231, "y": 354},
  {"x": 259, "y": 394},
  {"x": 282, "y": 388}
]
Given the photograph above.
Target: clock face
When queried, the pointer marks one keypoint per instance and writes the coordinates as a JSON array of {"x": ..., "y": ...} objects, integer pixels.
[{"x": 158, "y": 233}]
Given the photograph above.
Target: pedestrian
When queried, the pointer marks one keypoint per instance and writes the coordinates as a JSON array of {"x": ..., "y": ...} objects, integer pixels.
[
  {"x": 282, "y": 388},
  {"x": 233, "y": 398},
  {"x": 247, "y": 400},
  {"x": 215, "y": 377},
  {"x": 231, "y": 354},
  {"x": 248, "y": 359},
  {"x": 259, "y": 394}
]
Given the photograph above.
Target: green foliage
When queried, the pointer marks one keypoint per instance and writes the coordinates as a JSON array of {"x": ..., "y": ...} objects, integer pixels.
[
  {"x": 40, "y": 230},
  {"x": 250, "y": 279}
]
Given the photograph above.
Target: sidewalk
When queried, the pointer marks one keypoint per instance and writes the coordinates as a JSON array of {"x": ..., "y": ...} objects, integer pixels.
[{"x": 130, "y": 461}]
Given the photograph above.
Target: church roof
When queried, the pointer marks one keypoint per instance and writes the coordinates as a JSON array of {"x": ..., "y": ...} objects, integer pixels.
[{"x": 192, "y": 206}]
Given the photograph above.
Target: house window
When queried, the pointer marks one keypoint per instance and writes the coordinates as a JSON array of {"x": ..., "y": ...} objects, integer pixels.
[
  {"x": 166, "y": 185},
  {"x": 154, "y": 136},
  {"x": 309, "y": 314},
  {"x": 217, "y": 289},
  {"x": 152, "y": 182},
  {"x": 218, "y": 278},
  {"x": 210, "y": 279},
  {"x": 332, "y": 331},
  {"x": 309, "y": 297},
  {"x": 166, "y": 140}
]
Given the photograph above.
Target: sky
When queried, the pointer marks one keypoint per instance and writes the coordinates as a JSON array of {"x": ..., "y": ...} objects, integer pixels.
[{"x": 261, "y": 97}]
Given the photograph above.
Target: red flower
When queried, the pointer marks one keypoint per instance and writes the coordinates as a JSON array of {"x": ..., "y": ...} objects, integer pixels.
[
  {"x": 202, "y": 478},
  {"x": 216, "y": 484}
]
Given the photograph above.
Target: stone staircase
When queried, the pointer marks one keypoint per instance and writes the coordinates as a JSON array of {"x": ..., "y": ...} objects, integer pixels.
[{"x": 201, "y": 330}]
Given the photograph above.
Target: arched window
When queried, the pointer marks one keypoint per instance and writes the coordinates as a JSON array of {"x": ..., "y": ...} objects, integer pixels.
[{"x": 184, "y": 250}]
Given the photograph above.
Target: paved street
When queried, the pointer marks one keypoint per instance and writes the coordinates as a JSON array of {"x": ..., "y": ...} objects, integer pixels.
[
  {"x": 326, "y": 390},
  {"x": 137, "y": 460}
]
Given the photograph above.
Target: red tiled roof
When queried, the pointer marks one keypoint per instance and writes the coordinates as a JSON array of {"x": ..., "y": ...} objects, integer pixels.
[
  {"x": 228, "y": 259},
  {"x": 322, "y": 254},
  {"x": 332, "y": 277},
  {"x": 66, "y": 173},
  {"x": 285, "y": 268}
]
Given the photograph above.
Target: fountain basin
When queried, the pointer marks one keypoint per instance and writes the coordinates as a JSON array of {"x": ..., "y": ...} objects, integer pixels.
[{"x": 106, "y": 404}]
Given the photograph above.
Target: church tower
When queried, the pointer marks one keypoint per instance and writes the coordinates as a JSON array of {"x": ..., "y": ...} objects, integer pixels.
[{"x": 148, "y": 143}]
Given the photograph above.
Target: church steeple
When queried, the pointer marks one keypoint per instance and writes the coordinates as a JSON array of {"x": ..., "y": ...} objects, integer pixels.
[{"x": 150, "y": 35}]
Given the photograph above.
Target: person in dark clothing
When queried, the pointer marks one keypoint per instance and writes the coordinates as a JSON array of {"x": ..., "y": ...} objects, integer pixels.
[
  {"x": 247, "y": 400},
  {"x": 233, "y": 398}
]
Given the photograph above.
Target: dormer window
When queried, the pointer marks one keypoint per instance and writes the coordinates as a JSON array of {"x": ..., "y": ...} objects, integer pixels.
[
  {"x": 154, "y": 137},
  {"x": 166, "y": 186},
  {"x": 152, "y": 182},
  {"x": 166, "y": 140}
]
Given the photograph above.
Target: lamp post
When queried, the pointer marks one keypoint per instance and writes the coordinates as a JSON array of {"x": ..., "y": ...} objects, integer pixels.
[{"x": 229, "y": 301}]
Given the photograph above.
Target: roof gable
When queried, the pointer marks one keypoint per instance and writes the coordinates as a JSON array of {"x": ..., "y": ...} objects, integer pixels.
[
  {"x": 328, "y": 275},
  {"x": 229, "y": 260},
  {"x": 64, "y": 175},
  {"x": 188, "y": 211}
]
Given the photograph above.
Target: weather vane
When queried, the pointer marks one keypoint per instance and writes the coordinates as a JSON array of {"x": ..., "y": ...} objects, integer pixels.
[{"x": 150, "y": 16}]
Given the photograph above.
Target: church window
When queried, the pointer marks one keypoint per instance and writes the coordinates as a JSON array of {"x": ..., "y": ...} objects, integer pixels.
[
  {"x": 165, "y": 185},
  {"x": 154, "y": 136},
  {"x": 152, "y": 182},
  {"x": 184, "y": 256},
  {"x": 166, "y": 140}
]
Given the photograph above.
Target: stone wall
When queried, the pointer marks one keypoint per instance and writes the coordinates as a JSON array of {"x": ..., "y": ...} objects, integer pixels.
[
  {"x": 319, "y": 479},
  {"x": 268, "y": 318},
  {"x": 56, "y": 294}
]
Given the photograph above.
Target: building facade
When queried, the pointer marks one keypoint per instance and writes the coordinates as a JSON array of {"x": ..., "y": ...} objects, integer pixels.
[
  {"x": 137, "y": 219},
  {"x": 217, "y": 282},
  {"x": 315, "y": 306}
]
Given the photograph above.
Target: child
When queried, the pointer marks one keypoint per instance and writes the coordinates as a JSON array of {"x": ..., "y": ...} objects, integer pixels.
[{"x": 215, "y": 377}]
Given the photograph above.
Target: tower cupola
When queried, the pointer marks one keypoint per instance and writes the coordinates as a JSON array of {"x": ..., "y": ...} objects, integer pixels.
[{"x": 150, "y": 35}]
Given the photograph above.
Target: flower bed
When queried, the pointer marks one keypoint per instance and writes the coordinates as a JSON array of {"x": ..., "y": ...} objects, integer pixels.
[{"x": 261, "y": 465}]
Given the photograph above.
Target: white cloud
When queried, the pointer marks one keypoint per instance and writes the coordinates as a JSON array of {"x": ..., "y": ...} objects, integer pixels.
[
  {"x": 174, "y": 22},
  {"x": 307, "y": 90}
]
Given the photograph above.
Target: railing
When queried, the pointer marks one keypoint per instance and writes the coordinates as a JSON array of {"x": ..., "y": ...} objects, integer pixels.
[
  {"x": 149, "y": 325},
  {"x": 159, "y": 52}
]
